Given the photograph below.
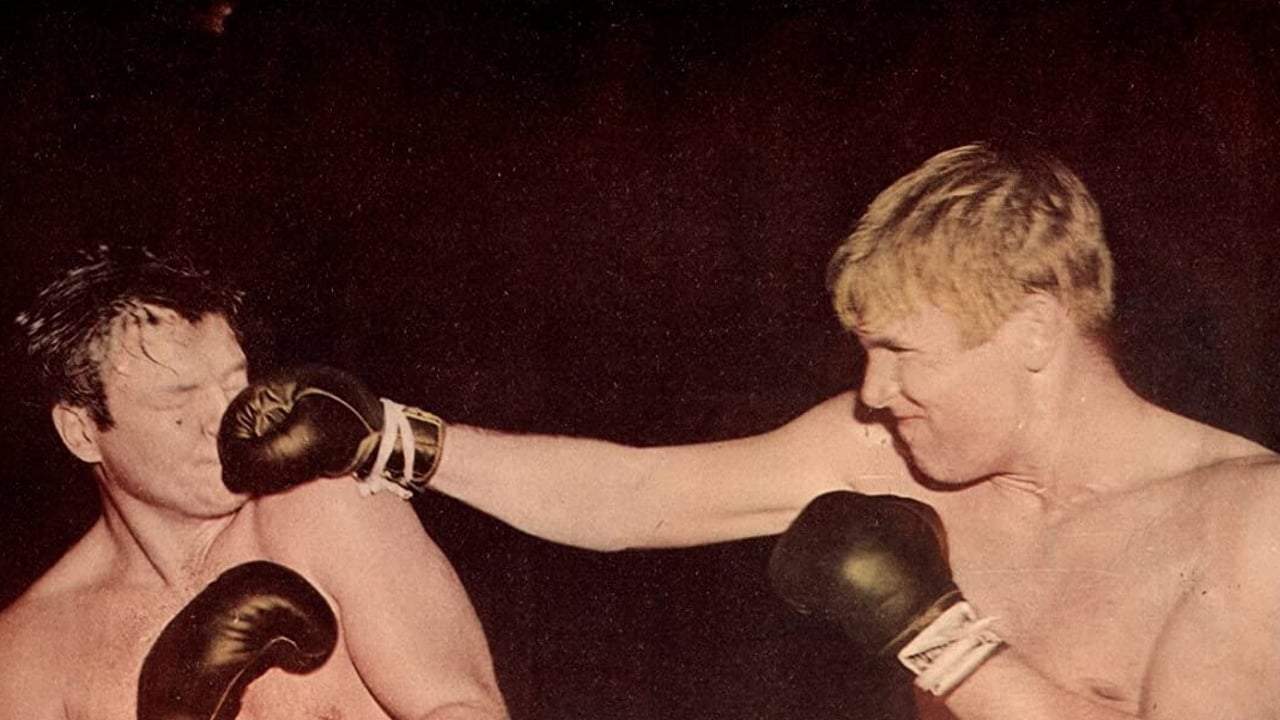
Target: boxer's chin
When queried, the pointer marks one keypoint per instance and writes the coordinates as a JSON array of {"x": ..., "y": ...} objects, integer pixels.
[
  {"x": 219, "y": 498},
  {"x": 936, "y": 466},
  {"x": 228, "y": 503}
]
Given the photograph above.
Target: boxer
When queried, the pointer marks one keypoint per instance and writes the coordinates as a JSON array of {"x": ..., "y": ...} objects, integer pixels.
[
  {"x": 186, "y": 600},
  {"x": 994, "y": 511}
]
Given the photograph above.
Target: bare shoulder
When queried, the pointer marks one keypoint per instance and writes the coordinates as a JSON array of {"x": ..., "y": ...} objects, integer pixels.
[
  {"x": 1235, "y": 470},
  {"x": 329, "y": 517},
  {"x": 839, "y": 417},
  {"x": 359, "y": 550},
  {"x": 408, "y": 625},
  {"x": 843, "y": 433},
  {"x": 33, "y": 630},
  {"x": 1240, "y": 497},
  {"x": 1230, "y": 477},
  {"x": 27, "y": 621},
  {"x": 338, "y": 498},
  {"x": 73, "y": 582}
]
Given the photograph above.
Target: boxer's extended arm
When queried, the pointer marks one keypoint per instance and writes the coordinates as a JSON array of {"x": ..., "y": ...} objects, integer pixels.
[
  {"x": 408, "y": 625},
  {"x": 288, "y": 428},
  {"x": 605, "y": 496}
]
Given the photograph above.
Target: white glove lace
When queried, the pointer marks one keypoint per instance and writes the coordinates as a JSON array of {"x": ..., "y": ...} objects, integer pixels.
[
  {"x": 395, "y": 427},
  {"x": 950, "y": 648}
]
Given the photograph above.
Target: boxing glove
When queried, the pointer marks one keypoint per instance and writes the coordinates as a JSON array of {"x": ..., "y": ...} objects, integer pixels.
[
  {"x": 877, "y": 567},
  {"x": 315, "y": 421},
  {"x": 254, "y": 617}
]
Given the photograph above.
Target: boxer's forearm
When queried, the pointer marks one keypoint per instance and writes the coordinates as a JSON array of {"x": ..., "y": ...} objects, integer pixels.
[
  {"x": 575, "y": 491},
  {"x": 1006, "y": 687},
  {"x": 605, "y": 496}
]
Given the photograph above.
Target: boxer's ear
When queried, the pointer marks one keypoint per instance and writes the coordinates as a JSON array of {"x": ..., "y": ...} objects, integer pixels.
[
  {"x": 1043, "y": 321},
  {"x": 78, "y": 431}
]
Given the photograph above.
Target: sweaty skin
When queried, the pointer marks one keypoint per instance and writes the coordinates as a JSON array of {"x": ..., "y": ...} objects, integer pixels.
[
  {"x": 72, "y": 646},
  {"x": 1130, "y": 555}
]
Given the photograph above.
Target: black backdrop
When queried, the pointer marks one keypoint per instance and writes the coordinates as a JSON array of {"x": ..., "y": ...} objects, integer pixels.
[{"x": 612, "y": 219}]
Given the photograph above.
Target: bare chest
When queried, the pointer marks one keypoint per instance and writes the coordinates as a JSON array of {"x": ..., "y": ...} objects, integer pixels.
[
  {"x": 105, "y": 647},
  {"x": 1083, "y": 601}
]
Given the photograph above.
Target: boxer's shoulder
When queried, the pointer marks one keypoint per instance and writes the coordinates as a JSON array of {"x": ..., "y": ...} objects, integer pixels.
[
  {"x": 839, "y": 414},
  {"x": 33, "y": 632},
  {"x": 1234, "y": 472},
  {"x": 1236, "y": 501},
  {"x": 1245, "y": 487},
  {"x": 322, "y": 504},
  {"x": 81, "y": 577},
  {"x": 845, "y": 432},
  {"x": 1202, "y": 460},
  {"x": 328, "y": 523}
]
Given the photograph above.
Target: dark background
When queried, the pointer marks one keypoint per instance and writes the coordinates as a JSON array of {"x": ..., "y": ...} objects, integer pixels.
[{"x": 613, "y": 219}]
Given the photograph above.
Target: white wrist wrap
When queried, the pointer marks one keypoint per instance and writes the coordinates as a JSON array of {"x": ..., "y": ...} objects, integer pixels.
[
  {"x": 950, "y": 648},
  {"x": 397, "y": 428}
]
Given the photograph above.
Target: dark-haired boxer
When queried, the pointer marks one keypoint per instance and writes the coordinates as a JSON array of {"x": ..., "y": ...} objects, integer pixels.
[
  {"x": 186, "y": 601},
  {"x": 1092, "y": 555}
]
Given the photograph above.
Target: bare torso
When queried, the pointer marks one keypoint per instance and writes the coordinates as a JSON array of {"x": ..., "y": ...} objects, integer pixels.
[
  {"x": 91, "y": 632},
  {"x": 1084, "y": 596},
  {"x": 1083, "y": 599}
]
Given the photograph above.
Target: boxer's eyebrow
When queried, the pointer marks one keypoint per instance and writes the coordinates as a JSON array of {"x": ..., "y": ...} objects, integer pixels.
[
  {"x": 239, "y": 366},
  {"x": 880, "y": 340},
  {"x": 178, "y": 388}
]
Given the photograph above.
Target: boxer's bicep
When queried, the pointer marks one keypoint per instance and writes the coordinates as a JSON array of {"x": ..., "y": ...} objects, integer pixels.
[{"x": 407, "y": 624}]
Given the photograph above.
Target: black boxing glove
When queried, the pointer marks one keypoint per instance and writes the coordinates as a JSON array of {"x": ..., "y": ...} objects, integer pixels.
[
  {"x": 254, "y": 617},
  {"x": 314, "y": 421},
  {"x": 876, "y": 565}
]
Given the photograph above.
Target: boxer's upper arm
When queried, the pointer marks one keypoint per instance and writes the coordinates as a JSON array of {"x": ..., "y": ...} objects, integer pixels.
[
  {"x": 407, "y": 623},
  {"x": 756, "y": 485}
]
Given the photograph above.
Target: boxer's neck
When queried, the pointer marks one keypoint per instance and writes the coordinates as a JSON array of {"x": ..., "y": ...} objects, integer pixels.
[
  {"x": 153, "y": 545},
  {"x": 1084, "y": 436}
]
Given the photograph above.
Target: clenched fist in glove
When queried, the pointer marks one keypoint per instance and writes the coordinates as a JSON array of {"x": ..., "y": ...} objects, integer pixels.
[
  {"x": 876, "y": 565},
  {"x": 314, "y": 421},
  {"x": 254, "y": 617}
]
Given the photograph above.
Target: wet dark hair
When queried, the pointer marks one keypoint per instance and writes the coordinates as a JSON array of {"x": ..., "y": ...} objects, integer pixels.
[{"x": 65, "y": 330}]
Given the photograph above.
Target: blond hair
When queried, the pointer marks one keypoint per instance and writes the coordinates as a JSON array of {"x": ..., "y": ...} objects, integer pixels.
[{"x": 974, "y": 230}]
